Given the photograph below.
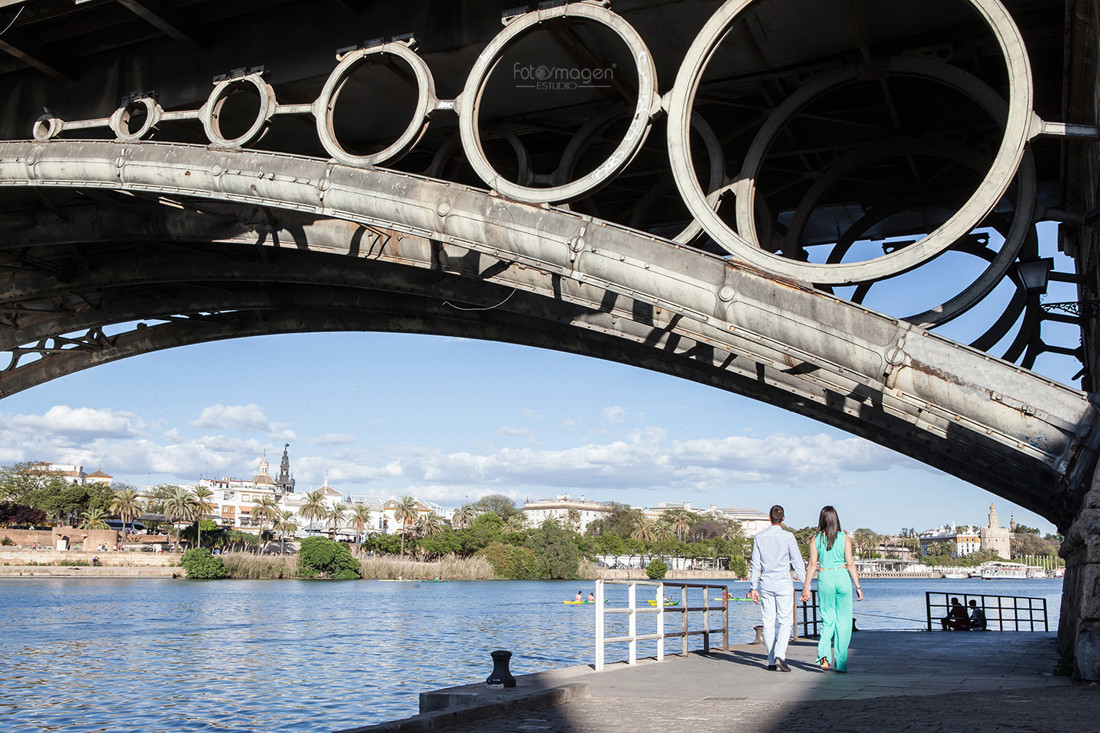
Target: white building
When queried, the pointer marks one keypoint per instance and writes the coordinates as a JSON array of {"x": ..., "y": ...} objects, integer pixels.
[
  {"x": 560, "y": 508},
  {"x": 751, "y": 520},
  {"x": 73, "y": 474}
]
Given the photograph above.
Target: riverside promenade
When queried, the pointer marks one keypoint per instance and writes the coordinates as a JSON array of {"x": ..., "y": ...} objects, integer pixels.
[{"x": 897, "y": 681}]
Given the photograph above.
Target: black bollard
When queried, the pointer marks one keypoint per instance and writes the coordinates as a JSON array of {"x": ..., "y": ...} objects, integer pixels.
[{"x": 501, "y": 675}]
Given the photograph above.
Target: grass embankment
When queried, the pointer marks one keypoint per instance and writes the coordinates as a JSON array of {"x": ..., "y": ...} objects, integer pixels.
[{"x": 246, "y": 566}]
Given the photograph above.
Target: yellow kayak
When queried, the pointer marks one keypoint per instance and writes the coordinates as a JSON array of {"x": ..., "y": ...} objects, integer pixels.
[{"x": 667, "y": 603}]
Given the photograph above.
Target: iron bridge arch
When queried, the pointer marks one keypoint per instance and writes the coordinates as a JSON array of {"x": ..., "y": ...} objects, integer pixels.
[{"x": 214, "y": 244}]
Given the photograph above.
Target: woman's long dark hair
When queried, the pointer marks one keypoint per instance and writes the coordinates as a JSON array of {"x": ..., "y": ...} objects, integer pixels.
[{"x": 828, "y": 523}]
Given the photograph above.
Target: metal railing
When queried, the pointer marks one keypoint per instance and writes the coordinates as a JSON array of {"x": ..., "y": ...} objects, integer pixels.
[
  {"x": 1005, "y": 613},
  {"x": 660, "y": 605},
  {"x": 811, "y": 616}
]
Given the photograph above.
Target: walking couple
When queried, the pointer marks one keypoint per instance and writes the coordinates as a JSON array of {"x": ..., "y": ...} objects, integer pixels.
[{"x": 774, "y": 554}]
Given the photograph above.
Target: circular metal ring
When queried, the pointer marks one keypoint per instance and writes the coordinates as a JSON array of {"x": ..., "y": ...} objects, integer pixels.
[
  {"x": 210, "y": 111},
  {"x": 122, "y": 115},
  {"x": 469, "y": 103},
  {"x": 47, "y": 127},
  {"x": 981, "y": 202},
  {"x": 325, "y": 105}
]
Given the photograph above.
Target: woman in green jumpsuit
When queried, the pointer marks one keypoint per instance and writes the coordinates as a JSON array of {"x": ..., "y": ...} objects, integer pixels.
[{"x": 831, "y": 556}]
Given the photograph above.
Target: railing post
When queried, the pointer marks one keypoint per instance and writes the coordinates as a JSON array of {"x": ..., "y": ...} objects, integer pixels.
[
  {"x": 684, "y": 623},
  {"x": 632, "y": 629},
  {"x": 660, "y": 622},
  {"x": 725, "y": 621},
  {"x": 599, "y": 624},
  {"x": 706, "y": 621}
]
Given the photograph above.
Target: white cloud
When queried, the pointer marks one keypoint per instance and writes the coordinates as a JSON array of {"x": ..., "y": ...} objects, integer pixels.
[
  {"x": 240, "y": 417},
  {"x": 79, "y": 422},
  {"x": 513, "y": 431},
  {"x": 531, "y": 413},
  {"x": 333, "y": 439},
  {"x": 614, "y": 413}
]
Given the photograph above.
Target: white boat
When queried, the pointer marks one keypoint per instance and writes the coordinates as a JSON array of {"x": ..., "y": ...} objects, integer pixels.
[
  {"x": 955, "y": 575},
  {"x": 996, "y": 570}
]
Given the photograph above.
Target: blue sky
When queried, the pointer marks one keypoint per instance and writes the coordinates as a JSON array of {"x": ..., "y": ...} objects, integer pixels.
[{"x": 452, "y": 419}]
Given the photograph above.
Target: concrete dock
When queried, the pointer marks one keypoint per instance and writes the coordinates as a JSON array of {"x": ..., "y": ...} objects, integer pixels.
[{"x": 897, "y": 681}]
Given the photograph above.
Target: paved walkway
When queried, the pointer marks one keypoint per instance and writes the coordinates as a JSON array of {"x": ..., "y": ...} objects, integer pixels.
[{"x": 897, "y": 681}]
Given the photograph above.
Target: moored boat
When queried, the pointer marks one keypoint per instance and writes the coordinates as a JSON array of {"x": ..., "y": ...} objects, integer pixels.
[{"x": 998, "y": 570}]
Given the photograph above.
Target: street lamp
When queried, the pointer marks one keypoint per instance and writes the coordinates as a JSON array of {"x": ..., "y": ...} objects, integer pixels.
[{"x": 1034, "y": 274}]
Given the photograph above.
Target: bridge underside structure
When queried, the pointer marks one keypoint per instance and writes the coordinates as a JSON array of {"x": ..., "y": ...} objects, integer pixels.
[{"x": 709, "y": 190}]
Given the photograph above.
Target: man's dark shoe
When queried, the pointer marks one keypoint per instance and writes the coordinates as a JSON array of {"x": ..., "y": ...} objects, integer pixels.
[
  {"x": 771, "y": 667},
  {"x": 782, "y": 664}
]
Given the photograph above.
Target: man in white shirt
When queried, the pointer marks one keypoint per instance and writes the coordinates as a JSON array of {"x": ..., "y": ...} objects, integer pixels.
[{"x": 774, "y": 554}]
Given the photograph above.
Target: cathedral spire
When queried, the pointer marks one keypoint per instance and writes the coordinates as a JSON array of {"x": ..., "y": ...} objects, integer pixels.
[{"x": 285, "y": 484}]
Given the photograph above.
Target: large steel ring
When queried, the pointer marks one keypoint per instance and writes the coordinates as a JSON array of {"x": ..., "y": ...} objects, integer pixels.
[
  {"x": 121, "y": 118},
  {"x": 1016, "y": 134},
  {"x": 211, "y": 111},
  {"x": 325, "y": 105},
  {"x": 469, "y": 102}
]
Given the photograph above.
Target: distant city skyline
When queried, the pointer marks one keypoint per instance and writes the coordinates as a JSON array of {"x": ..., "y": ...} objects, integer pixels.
[{"x": 450, "y": 420}]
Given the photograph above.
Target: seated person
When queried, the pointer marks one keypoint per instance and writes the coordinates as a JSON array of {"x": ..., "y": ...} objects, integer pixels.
[
  {"x": 956, "y": 618},
  {"x": 579, "y": 597},
  {"x": 591, "y": 598},
  {"x": 977, "y": 617}
]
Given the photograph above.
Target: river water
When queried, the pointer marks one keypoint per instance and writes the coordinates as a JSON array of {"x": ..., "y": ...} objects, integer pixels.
[{"x": 89, "y": 655}]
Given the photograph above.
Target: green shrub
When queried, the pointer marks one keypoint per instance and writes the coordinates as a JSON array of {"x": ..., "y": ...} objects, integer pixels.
[
  {"x": 6, "y": 541},
  {"x": 557, "y": 554},
  {"x": 656, "y": 569},
  {"x": 320, "y": 557},
  {"x": 510, "y": 561},
  {"x": 201, "y": 565},
  {"x": 74, "y": 563}
]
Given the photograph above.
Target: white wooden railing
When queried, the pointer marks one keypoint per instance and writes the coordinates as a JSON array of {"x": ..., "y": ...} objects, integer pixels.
[{"x": 662, "y": 592}]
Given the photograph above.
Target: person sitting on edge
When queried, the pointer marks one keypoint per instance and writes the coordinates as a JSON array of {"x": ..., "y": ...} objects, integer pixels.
[
  {"x": 956, "y": 618},
  {"x": 977, "y": 617},
  {"x": 579, "y": 598}
]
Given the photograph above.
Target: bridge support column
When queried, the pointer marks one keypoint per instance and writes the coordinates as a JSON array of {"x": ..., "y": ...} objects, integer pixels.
[{"x": 1079, "y": 625}]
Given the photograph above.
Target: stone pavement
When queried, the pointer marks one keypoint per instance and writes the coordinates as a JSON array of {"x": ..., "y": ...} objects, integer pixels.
[{"x": 897, "y": 681}]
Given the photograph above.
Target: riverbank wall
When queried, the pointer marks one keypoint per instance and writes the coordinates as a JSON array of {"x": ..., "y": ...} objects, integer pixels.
[
  {"x": 112, "y": 558},
  {"x": 80, "y": 571}
]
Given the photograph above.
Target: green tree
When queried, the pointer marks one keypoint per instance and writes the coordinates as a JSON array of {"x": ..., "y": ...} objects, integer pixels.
[
  {"x": 620, "y": 520},
  {"x": 646, "y": 531},
  {"x": 180, "y": 507},
  {"x": 313, "y": 508},
  {"x": 93, "y": 519},
  {"x": 514, "y": 522},
  {"x": 405, "y": 513},
  {"x": 201, "y": 565},
  {"x": 557, "y": 554},
  {"x": 1024, "y": 529},
  {"x": 656, "y": 569},
  {"x": 335, "y": 517},
  {"x": 284, "y": 523},
  {"x": 264, "y": 511},
  {"x": 511, "y": 562},
  {"x": 320, "y": 557},
  {"x": 499, "y": 504},
  {"x": 126, "y": 505},
  {"x": 464, "y": 517},
  {"x": 203, "y": 506},
  {"x": 360, "y": 519}
]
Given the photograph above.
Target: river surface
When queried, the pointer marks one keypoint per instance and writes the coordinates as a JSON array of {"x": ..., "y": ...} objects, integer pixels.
[{"x": 90, "y": 655}]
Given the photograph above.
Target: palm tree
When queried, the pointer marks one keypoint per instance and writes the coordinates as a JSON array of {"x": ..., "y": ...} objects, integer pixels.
[
  {"x": 313, "y": 507},
  {"x": 335, "y": 516},
  {"x": 405, "y": 512},
  {"x": 360, "y": 519},
  {"x": 180, "y": 506},
  {"x": 515, "y": 523},
  {"x": 429, "y": 525},
  {"x": 93, "y": 519},
  {"x": 573, "y": 516},
  {"x": 646, "y": 531},
  {"x": 126, "y": 506},
  {"x": 284, "y": 523},
  {"x": 464, "y": 517},
  {"x": 680, "y": 523},
  {"x": 264, "y": 509},
  {"x": 202, "y": 506}
]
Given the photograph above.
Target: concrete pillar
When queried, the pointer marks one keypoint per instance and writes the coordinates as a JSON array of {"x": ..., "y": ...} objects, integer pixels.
[{"x": 1079, "y": 624}]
